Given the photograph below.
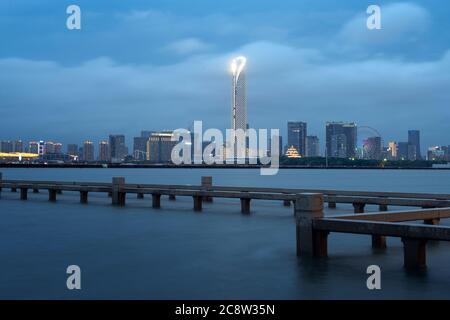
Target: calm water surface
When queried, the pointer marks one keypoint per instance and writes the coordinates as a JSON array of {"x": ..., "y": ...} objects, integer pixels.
[{"x": 137, "y": 252}]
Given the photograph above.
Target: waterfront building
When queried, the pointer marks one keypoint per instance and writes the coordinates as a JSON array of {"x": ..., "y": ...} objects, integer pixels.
[
  {"x": 117, "y": 148},
  {"x": 6, "y": 146},
  {"x": 373, "y": 148},
  {"x": 72, "y": 150},
  {"x": 341, "y": 139},
  {"x": 414, "y": 140},
  {"x": 33, "y": 147},
  {"x": 312, "y": 146},
  {"x": 140, "y": 147},
  {"x": 292, "y": 152},
  {"x": 296, "y": 136},
  {"x": 103, "y": 151},
  {"x": 392, "y": 150},
  {"x": 18, "y": 146},
  {"x": 88, "y": 151},
  {"x": 159, "y": 147},
  {"x": 437, "y": 153}
]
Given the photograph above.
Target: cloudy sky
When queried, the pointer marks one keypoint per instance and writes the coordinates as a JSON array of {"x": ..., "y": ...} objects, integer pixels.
[{"x": 162, "y": 64}]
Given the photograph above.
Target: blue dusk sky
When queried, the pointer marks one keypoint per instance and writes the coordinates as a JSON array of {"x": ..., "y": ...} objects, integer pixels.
[{"x": 162, "y": 64}]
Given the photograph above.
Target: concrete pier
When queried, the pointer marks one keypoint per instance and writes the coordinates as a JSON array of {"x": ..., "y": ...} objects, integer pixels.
[
  {"x": 207, "y": 185},
  {"x": 52, "y": 195},
  {"x": 23, "y": 193},
  {"x": 83, "y": 197},
  {"x": 118, "y": 196},
  {"x": 197, "y": 203},
  {"x": 245, "y": 205},
  {"x": 172, "y": 197},
  {"x": 156, "y": 200},
  {"x": 414, "y": 253},
  {"x": 358, "y": 207},
  {"x": 139, "y": 195},
  {"x": 310, "y": 242}
]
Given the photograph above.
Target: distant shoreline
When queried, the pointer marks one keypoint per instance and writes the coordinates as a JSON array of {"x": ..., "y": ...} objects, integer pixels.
[{"x": 169, "y": 166}]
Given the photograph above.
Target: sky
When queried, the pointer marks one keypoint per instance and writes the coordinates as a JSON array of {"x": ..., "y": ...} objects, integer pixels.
[{"x": 162, "y": 64}]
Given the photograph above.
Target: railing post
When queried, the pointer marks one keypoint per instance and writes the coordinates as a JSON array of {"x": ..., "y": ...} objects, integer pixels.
[
  {"x": 23, "y": 193},
  {"x": 309, "y": 206},
  {"x": 206, "y": 186},
  {"x": 118, "y": 197},
  {"x": 414, "y": 253}
]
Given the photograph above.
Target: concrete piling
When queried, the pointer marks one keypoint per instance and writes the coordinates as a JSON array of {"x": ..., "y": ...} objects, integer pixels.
[
  {"x": 197, "y": 203},
  {"x": 414, "y": 253},
  {"x": 207, "y": 185},
  {"x": 358, "y": 207},
  {"x": 23, "y": 193},
  {"x": 52, "y": 195},
  {"x": 245, "y": 205},
  {"x": 118, "y": 196},
  {"x": 310, "y": 242},
  {"x": 156, "y": 200},
  {"x": 83, "y": 197}
]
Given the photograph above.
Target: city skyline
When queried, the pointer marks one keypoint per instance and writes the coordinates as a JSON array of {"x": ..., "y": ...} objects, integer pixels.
[{"x": 333, "y": 72}]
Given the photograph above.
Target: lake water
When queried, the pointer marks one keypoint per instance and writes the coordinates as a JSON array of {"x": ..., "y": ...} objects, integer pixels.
[{"x": 137, "y": 252}]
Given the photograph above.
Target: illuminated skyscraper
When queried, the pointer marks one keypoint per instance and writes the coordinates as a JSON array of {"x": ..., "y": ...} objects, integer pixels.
[{"x": 238, "y": 98}]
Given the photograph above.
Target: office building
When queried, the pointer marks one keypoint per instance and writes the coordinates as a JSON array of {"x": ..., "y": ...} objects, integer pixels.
[
  {"x": 72, "y": 150},
  {"x": 341, "y": 139},
  {"x": 373, "y": 148},
  {"x": 296, "y": 134},
  {"x": 140, "y": 147},
  {"x": 392, "y": 150},
  {"x": 18, "y": 146},
  {"x": 414, "y": 140},
  {"x": 159, "y": 147},
  {"x": 88, "y": 151},
  {"x": 103, "y": 151},
  {"x": 312, "y": 146},
  {"x": 117, "y": 148},
  {"x": 33, "y": 147},
  {"x": 6, "y": 146}
]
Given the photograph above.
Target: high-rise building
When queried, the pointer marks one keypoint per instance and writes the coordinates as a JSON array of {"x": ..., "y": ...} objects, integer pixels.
[
  {"x": 373, "y": 148},
  {"x": 117, "y": 148},
  {"x": 312, "y": 146},
  {"x": 41, "y": 148},
  {"x": 18, "y": 146},
  {"x": 140, "y": 148},
  {"x": 6, "y": 146},
  {"x": 414, "y": 140},
  {"x": 392, "y": 150},
  {"x": 103, "y": 151},
  {"x": 407, "y": 151},
  {"x": 238, "y": 94},
  {"x": 33, "y": 147},
  {"x": 88, "y": 151},
  {"x": 297, "y": 132},
  {"x": 341, "y": 139},
  {"x": 51, "y": 147},
  {"x": 159, "y": 147},
  {"x": 437, "y": 153},
  {"x": 72, "y": 150}
]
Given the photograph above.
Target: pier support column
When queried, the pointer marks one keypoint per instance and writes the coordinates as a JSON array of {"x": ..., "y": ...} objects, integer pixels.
[
  {"x": 35, "y": 190},
  {"x": 358, "y": 207},
  {"x": 414, "y": 253},
  {"x": 379, "y": 242},
  {"x": 287, "y": 203},
  {"x": 309, "y": 206},
  {"x": 59, "y": 191},
  {"x": 332, "y": 205},
  {"x": 172, "y": 197},
  {"x": 83, "y": 196},
  {"x": 197, "y": 203},
  {"x": 13, "y": 189},
  {"x": 383, "y": 207},
  {"x": 52, "y": 195},
  {"x": 245, "y": 205},
  {"x": 156, "y": 200},
  {"x": 140, "y": 195},
  {"x": 432, "y": 222},
  {"x": 118, "y": 197},
  {"x": 207, "y": 186},
  {"x": 23, "y": 193}
]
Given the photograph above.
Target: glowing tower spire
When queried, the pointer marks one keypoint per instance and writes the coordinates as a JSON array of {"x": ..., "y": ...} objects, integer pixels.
[{"x": 238, "y": 99}]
